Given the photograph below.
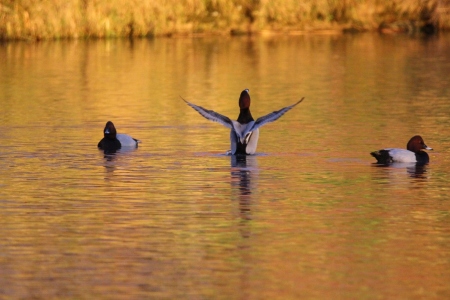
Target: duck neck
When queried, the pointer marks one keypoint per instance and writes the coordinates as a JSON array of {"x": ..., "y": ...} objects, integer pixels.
[{"x": 245, "y": 116}]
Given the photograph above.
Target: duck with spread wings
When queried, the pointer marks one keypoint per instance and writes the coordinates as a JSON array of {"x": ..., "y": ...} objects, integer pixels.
[{"x": 244, "y": 132}]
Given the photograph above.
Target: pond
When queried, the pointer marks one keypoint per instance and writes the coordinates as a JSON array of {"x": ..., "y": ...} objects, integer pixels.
[{"x": 309, "y": 216}]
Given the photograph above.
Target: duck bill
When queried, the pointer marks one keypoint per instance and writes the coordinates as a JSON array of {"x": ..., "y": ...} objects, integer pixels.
[{"x": 427, "y": 148}]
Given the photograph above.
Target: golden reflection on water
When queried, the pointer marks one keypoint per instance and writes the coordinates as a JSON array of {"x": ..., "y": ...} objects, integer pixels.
[{"x": 309, "y": 216}]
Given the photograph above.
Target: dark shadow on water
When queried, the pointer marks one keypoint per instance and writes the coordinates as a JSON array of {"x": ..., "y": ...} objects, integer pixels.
[
  {"x": 244, "y": 169},
  {"x": 109, "y": 163},
  {"x": 111, "y": 158},
  {"x": 414, "y": 170},
  {"x": 244, "y": 177}
]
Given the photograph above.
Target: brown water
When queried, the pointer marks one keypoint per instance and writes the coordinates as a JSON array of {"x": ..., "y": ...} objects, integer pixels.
[{"x": 308, "y": 217}]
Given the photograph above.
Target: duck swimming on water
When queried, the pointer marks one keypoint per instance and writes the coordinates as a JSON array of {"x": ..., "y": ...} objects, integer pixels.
[
  {"x": 113, "y": 141},
  {"x": 244, "y": 132},
  {"x": 412, "y": 154}
]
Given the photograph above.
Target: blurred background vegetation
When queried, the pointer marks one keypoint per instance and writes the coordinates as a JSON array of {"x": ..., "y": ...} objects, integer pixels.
[{"x": 56, "y": 19}]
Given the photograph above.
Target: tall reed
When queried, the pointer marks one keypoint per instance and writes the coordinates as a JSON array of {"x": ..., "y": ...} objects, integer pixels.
[{"x": 49, "y": 19}]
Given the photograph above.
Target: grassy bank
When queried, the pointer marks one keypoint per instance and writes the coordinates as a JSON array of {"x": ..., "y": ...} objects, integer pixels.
[{"x": 49, "y": 19}]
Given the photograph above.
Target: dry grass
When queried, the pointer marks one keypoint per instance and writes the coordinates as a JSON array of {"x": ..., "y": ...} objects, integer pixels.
[{"x": 48, "y": 19}]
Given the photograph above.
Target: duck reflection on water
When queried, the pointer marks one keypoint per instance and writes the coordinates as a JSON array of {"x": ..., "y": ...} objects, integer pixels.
[
  {"x": 244, "y": 173},
  {"x": 414, "y": 170}
]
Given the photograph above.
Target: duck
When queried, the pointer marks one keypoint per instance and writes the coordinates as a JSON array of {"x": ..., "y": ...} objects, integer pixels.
[
  {"x": 244, "y": 132},
  {"x": 412, "y": 154},
  {"x": 113, "y": 141}
]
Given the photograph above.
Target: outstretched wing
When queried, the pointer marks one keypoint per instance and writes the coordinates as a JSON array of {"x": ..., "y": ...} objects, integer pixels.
[
  {"x": 211, "y": 115},
  {"x": 273, "y": 116}
]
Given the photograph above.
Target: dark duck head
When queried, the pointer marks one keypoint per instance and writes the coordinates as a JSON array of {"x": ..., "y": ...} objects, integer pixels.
[
  {"x": 245, "y": 115},
  {"x": 110, "y": 131},
  {"x": 416, "y": 144},
  {"x": 109, "y": 143}
]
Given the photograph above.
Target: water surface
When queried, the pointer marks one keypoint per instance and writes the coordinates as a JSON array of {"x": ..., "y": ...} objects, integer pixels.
[{"x": 308, "y": 217}]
